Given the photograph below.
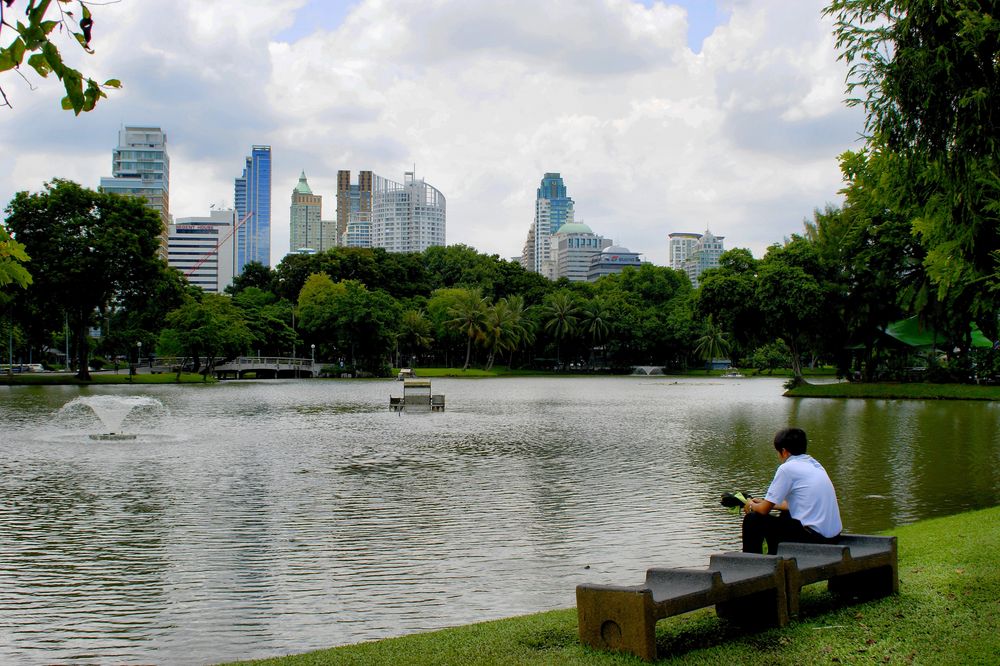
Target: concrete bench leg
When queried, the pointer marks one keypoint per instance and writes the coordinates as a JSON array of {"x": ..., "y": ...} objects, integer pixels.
[
  {"x": 763, "y": 609},
  {"x": 869, "y": 584},
  {"x": 617, "y": 619}
]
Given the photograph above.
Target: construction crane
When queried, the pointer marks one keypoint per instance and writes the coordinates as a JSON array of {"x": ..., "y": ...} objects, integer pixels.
[{"x": 214, "y": 251}]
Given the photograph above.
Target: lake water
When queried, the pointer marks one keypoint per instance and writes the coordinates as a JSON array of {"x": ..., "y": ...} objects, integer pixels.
[{"x": 254, "y": 519}]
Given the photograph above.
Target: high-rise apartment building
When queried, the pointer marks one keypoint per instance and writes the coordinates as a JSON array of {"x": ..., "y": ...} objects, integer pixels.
[
  {"x": 408, "y": 216},
  {"x": 202, "y": 248},
  {"x": 308, "y": 230},
  {"x": 553, "y": 209},
  {"x": 354, "y": 205},
  {"x": 140, "y": 167},
  {"x": 700, "y": 255},
  {"x": 680, "y": 248},
  {"x": 253, "y": 209}
]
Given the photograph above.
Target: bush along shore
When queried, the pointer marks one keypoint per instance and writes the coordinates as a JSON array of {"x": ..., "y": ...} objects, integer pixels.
[
  {"x": 946, "y": 613},
  {"x": 892, "y": 391}
]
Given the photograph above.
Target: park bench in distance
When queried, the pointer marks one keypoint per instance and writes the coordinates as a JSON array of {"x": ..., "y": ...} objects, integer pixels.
[
  {"x": 854, "y": 566},
  {"x": 741, "y": 586}
]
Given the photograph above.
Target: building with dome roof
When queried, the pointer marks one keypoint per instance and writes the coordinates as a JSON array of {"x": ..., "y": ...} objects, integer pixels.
[
  {"x": 574, "y": 244},
  {"x": 612, "y": 259}
]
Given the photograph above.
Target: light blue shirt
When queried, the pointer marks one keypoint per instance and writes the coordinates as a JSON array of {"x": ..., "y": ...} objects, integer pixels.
[{"x": 805, "y": 485}]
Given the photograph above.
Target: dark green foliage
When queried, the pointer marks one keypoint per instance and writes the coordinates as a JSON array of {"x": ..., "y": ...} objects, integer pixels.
[{"x": 89, "y": 250}]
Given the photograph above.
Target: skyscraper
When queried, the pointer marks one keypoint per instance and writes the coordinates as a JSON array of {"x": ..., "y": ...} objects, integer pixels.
[
  {"x": 141, "y": 168},
  {"x": 408, "y": 216},
  {"x": 308, "y": 229},
  {"x": 553, "y": 209},
  {"x": 354, "y": 206},
  {"x": 253, "y": 209}
]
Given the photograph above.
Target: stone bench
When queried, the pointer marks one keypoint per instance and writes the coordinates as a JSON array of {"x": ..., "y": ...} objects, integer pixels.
[
  {"x": 741, "y": 586},
  {"x": 855, "y": 565}
]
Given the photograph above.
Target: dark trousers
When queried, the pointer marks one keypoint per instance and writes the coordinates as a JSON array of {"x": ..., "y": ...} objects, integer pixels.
[{"x": 759, "y": 528}]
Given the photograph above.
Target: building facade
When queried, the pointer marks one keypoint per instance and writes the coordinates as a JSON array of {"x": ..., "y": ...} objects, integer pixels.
[
  {"x": 407, "y": 217},
  {"x": 574, "y": 247},
  {"x": 308, "y": 230},
  {"x": 681, "y": 245},
  {"x": 612, "y": 259},
  {"x": 202, "y": 248},
  {"x": 354, "y": 203},
  {"x": 253, "y": 209},
  {"x": 704, "y": 255},
  {"x": 553, "y": 209},
  {"x": 140, "y": 167}
]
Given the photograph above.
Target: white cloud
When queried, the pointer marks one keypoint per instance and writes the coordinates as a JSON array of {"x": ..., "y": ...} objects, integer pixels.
[{"x": 484, "y": 98}]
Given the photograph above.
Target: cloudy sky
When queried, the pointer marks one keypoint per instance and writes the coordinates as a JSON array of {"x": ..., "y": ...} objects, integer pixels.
[{"x": 661, "y": 116}]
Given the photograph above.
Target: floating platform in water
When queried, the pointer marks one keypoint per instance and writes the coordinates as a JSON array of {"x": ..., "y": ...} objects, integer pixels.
[{"x": 417, "y": 397}]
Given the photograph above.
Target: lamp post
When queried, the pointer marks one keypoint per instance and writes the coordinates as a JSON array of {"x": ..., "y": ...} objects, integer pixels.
[{"x": 312, "y": 350}]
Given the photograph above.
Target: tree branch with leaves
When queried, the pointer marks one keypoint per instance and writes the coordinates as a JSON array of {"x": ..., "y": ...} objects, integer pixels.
[{"x": 30, "y": 42}]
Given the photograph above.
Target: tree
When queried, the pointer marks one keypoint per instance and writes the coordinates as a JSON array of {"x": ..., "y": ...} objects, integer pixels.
[
  {"x": 414, "y": 331},
  {"x": 12, "y": 259},
  {"x": 594, "y": 322},
  {"x": 88, "y": 249},
  {"x": 34, "y": 37},
  {"x": 561, "y": 315},
  {"x": 927, "y": 74},
  {"x": 350, "y": 319},
  {"x": 254, "y": 274},
  {"x": 468, "y": 316},
  {"x": 211, "y": 328},
  {"x": 712, "y": 344}
]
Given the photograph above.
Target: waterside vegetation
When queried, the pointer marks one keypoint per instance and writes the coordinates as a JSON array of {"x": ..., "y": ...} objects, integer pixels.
[
  {"x": 945, "y": 614},
  {"x": 895, "y": 391}
]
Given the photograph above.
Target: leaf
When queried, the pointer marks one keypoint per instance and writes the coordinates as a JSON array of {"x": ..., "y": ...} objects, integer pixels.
[
  {"x": 16, "y": 50},
  {"x": 40, "y": 64},
  {"x": 6, "y": 61},
  {"x": 67, "y": 104},
  {"x": 113, "y": 83}
]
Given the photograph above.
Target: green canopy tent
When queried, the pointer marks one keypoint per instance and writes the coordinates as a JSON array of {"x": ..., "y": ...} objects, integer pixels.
[{"x": 910, "y": 332}]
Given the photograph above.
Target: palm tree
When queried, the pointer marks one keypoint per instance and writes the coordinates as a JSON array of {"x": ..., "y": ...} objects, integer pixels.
[
  {"x": 414, "y": 331},
  {"x": 594, "y": 322},
  {"x": 469, "y": 317},
  {"x": 560, "y": 311},
  {"x": 713, "y": 344},
  {"x": 498, "y": 330}
]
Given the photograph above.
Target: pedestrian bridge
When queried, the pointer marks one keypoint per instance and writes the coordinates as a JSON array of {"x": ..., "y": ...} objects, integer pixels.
[
  {"x": 261, "y": 367},
  {"x": 266, "y": 367}
]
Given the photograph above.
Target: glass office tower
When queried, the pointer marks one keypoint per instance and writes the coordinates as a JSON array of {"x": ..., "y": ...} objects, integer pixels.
[{"x": 253, "y": 209}]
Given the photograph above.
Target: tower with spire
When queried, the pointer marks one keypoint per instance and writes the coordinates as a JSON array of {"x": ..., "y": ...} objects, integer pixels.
[{"x": 309, "y": 233}]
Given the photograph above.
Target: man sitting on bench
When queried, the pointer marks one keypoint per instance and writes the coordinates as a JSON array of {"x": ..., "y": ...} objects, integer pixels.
[{"x": 803, "y": 494}]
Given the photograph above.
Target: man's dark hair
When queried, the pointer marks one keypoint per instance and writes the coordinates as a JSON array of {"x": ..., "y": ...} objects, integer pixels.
[{"x": 793, "y": 439}]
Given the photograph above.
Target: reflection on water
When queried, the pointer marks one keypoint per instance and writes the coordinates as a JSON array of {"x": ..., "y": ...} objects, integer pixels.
[{"x": 276, "y": 517}]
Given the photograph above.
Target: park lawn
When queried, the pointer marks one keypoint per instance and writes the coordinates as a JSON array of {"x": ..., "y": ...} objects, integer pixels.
[
  {"x": 888, "y": 391},
  {"x": 946, "y": 613},
  {"x": 53, "y": 379}
]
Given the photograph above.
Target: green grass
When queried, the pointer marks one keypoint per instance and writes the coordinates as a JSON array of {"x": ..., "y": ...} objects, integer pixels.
[
  {"x": 915, "y": 391},
  {"x": 53, "y": 379},
  {"x": 946, "y": 613}
]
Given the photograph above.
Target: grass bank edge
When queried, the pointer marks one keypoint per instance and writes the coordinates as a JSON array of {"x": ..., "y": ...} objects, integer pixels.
[
  {"x": 65, "y": 379},
  {"x": 945, "y": 614},
  {"x": 892, "y": 391}
]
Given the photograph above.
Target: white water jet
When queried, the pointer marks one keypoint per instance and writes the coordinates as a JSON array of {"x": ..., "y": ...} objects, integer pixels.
[{"x": 112, "y": 410}]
